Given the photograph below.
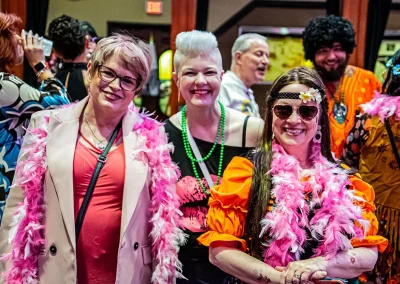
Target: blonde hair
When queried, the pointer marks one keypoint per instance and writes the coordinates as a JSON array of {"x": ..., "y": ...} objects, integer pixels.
[
  {"x": 131, "y": 52},
  {"x": 195, "y": 43}
]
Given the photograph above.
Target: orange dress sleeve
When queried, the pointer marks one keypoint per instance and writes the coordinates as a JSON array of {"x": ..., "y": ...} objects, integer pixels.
[
  {"x": 364, "y": 190},
  {"x": 228, "y": 205}
]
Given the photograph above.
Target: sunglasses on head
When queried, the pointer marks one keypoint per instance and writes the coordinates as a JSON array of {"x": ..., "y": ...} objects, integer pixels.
[{"x": 305, "y": 112}]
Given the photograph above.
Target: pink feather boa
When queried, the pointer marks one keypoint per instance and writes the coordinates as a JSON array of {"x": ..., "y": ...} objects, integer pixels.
[
  {"x": 383, "y": 106},
  {"x": 334, "y": 215},
  {"x": 26, "y": 234},
  {"x": 165, "y": 218}
]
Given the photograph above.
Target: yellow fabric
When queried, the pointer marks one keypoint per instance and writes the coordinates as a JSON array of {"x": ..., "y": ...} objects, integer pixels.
[
  {"x": 358, "y": 86},
  {"x": 229, "y": 202},
  {"x": 378, "y": 165}
]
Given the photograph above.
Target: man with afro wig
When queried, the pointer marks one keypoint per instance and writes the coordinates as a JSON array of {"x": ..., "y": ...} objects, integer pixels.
[{"x": 328, "y": 42}]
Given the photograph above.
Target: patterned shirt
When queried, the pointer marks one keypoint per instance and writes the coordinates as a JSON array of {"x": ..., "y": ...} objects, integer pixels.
[
  {"x": 234, "y": 94},
  {"x": 18, "y": 101}
]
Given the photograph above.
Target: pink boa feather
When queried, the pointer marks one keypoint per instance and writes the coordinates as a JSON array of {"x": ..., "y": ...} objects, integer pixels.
[
  {"x": 287, "y": 222},
  {"x": 383, "y": 106},
  {"x": 27, "y": 227},
  {"x": 165, "y": 233}
]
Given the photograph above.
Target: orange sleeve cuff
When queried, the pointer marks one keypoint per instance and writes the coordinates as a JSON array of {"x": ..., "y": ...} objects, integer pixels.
[{"x": 365, "y": 190}]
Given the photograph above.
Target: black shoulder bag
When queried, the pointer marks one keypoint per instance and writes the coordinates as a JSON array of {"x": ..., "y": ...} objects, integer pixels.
[
  {"x": 392, "y": 142},
  {"x": 101, "y": 160}
]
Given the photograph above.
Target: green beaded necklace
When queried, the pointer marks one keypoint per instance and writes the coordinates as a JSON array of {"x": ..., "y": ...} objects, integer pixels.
[{"x": 188, "y": 149}]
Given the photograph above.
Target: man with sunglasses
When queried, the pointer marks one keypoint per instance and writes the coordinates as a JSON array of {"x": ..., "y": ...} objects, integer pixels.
[{"x": 328, "y": 42}]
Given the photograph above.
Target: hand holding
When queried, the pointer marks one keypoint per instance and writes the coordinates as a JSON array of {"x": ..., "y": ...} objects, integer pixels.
[
  {"x": 33, "y": 48},
  {"x": 304, "y": 271}
]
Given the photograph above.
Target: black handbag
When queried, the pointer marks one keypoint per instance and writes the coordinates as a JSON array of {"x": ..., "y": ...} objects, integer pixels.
[{"x": 101, "y": 160}]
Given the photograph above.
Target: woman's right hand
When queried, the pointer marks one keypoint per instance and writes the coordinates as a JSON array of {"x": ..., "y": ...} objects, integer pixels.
[
  {"x": 33, "y": 48},
  {"x": 303, "y": 271}
]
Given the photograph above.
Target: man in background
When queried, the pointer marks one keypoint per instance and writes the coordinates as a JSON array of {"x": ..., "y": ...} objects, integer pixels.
[
  {"x": 250, "y": 59},
  {"x": 71, "y": 43},
  {"x": 328, "y": 42}
]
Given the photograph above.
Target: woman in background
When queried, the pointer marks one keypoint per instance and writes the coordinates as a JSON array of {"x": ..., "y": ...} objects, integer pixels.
[
  {"x": 206, "y": 136},
  {"x": 18, "y": 100}
]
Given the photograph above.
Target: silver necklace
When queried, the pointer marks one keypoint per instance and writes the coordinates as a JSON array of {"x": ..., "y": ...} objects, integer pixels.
[{"x": 100, "y": 143}]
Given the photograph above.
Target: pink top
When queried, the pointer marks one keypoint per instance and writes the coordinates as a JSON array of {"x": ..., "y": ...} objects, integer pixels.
[{"x": 97, "y": 248}]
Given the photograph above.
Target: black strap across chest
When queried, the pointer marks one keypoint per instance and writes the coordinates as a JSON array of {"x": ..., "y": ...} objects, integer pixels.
[
  {"x": 101, "y": 160},
  {"x": 392, "y": 141}
]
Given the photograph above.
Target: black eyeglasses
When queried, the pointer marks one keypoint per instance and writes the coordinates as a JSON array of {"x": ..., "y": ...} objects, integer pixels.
[
  {"x": 305, "y": 112},
  {"x": 126, "y": 83}
]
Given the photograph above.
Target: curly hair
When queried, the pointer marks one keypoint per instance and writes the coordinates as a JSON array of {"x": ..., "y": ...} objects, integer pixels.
[
  {"x": 68, "y": 37},
  {"x": 324, "y": 31},
  {"x": 8, "y": 42},
  {"x": 391, "y": 86}
]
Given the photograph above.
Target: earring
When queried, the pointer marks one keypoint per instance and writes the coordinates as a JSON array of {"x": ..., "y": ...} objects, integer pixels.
[
  {"x": 179, "y": 96},
  {"x": 318, "y": 135}
]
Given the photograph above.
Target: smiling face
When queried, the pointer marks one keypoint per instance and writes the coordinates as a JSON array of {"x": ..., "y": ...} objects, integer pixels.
[
  {"x": 294, "y": 132},
  {"x": 199, "y": 80},
  {"x": 253, "y": 63},
  {"x": 110, "y": 96},
  {"x": 331, "y": 61}
]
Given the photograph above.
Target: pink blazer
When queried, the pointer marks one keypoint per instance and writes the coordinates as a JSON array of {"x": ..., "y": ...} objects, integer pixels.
[{"x": 57, "y": 262}]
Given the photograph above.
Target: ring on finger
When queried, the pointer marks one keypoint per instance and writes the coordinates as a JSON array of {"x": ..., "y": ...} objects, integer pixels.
[{"x": 298, "y": 276}]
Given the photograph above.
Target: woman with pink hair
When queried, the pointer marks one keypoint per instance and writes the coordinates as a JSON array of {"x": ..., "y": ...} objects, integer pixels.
[{"x": 94, "y": 198}]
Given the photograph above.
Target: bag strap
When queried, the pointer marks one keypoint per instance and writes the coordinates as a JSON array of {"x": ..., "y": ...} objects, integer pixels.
[
  {"x": 198, "y": 156},
  {"x": 392, "y": 142},
  {"x": 244, "y": 131},
  {"x": 101, "y": 160}
]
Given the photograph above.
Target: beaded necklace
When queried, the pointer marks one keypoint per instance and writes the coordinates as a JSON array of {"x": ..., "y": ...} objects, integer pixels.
[{"x": 188, "y": 149}]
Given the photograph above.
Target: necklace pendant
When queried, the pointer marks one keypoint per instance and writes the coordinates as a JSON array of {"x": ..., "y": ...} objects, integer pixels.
[
  {"x": 100, "y": 145},
  {"x": 340, "y": 112}
]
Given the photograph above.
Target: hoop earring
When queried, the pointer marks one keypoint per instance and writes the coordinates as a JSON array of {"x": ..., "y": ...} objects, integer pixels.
[{"x": 318, "y": 135}]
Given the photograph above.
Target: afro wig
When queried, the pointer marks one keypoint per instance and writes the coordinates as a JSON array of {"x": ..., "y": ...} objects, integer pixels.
[{"x": 324, "y": 31}]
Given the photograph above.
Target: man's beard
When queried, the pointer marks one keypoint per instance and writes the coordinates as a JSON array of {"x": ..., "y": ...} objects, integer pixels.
[{"x": 334, "y": 75}]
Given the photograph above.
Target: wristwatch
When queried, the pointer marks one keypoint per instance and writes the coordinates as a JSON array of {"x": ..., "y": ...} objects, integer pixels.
[{"x": 40, "y": 66}]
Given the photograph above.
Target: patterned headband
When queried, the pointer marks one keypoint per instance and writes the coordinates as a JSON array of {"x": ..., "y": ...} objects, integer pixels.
[{"x": 311, "y": 95}]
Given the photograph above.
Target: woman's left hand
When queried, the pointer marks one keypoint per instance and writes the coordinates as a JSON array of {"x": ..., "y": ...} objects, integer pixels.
[{"x": 304, "y": 271}]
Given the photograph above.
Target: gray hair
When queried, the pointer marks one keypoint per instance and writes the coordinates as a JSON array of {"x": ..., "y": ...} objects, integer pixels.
[
  {"x": 243, "y": 43},
  {"x": 133, "y": 53},
  {"x": 194, "y": 43}
]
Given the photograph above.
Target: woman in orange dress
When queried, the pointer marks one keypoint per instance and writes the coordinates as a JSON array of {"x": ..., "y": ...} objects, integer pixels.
[{"x": 309, "y": 218}]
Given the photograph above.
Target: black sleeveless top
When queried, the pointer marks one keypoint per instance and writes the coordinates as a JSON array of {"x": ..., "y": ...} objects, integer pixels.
[
  {"x": 76, "y": 83},
  {"x": 194, "y": 204}
]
